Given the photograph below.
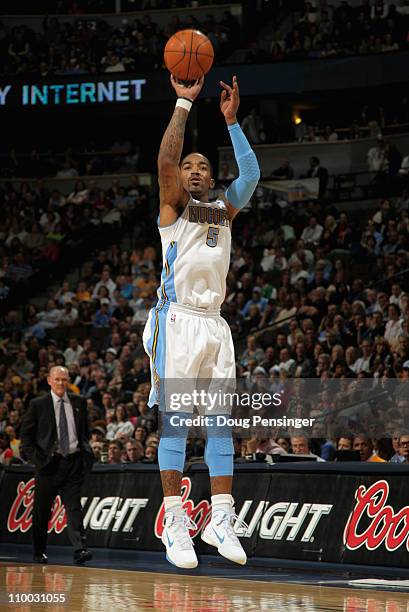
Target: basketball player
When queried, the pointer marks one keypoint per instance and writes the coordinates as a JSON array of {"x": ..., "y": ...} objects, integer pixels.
[{"x": 185, "y": 336}]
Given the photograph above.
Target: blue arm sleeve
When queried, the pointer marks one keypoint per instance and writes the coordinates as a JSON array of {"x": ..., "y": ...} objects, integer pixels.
[{"x": 243, "y": 187}]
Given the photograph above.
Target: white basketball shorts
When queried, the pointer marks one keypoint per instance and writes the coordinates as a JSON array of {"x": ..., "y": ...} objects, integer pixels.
[{"x": 186, "y": 344}]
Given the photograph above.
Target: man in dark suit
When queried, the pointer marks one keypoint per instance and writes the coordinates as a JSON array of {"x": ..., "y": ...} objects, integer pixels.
[
  {"x": 318, "y": 171},
  {"x": 54, "y": 436}
]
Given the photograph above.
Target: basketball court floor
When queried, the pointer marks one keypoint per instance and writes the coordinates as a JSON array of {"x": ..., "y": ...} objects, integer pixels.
[{"x": 130, "y": 581}]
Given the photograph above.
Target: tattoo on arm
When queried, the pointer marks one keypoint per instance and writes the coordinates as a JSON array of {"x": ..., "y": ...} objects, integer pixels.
[{"x": 172, "y": 141}]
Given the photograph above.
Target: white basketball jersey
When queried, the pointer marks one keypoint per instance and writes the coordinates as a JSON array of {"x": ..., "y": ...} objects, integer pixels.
[{"x": 196, "y": 256}]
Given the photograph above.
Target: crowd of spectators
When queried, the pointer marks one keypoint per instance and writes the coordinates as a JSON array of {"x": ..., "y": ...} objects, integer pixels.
[
  {"x": 38, "y": 225},
  {"x": 85, "y": 46},
  {"x": 89, "y": 7},
  {"x": 327, "y": 30},
  {"x": 313, "y": 293},
  {"x": 94, "y": 46},
  {"x": 119, "y": 157}
]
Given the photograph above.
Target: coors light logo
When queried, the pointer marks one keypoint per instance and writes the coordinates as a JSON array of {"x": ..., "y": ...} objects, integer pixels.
[
  {"x": 20, "y": 515},
  {"x": 385, "y": 526},
  {"x": 115, "y": 513},
  {"x": 280, "y": 521}
]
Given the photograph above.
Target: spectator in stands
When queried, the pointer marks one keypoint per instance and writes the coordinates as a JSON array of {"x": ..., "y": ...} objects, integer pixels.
[
  {"x": 379, "y": 10},
  {"x": 318, "y": 171},
  {"x": 224, "y": 172},
  {"x": 312, "y": 233},
  {"x": 393, "y": 328},
  {"x": 363, "y": 363},
  {"x": 284, "y": 443},
  {"x": 102, "y": 316},
  {"x": 325, "y": 448},
  {"x": 329, "y": 134},
  {"x": 251, "y": 352},
  {"x": 364, "y": 445},
  {"x": 68, "y": 170},
  {"x": 19, "y": 270},
  {"x": 400, "y": 455},
  {"x": 122, "y": 312},
  {"x": 106, "y": 281},
  {"x": 115, "y": 452},
  {"x": 256, "y": 300},
  {"x": 22, "y": 366},
  {"x": 345, "y": 443},
  {"x": 252, "y": 126},
  {"x": 147, "y": 418},
  {"x": 98, "y": 448},
  {"x": 114, "y": 64},
  {"x": 49, "y": 318},
  {"x": 64, "y": 294},
  {"x": 68, "y": 315},
  {"x": 267, "y": 446},
  {"x": 376, "y": 157},
  {"x": 300, "y": 446},
  {"x": 123, "y": 425},
  {"x": 283, "y": 173},
  {"x": 134, "y": 451},
  {"x": 6, "y": 454},
  {"x": 73, "y": 352},
  {"x": 140, "y": 434},
  {"x": 151, "y": 454}
]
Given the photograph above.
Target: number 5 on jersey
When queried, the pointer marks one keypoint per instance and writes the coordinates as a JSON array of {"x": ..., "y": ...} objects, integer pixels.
[{"x": 212, "y": 236}]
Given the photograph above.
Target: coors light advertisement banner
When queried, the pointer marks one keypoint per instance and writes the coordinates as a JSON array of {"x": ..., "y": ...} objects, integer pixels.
[{"x": 320, "y": 516}]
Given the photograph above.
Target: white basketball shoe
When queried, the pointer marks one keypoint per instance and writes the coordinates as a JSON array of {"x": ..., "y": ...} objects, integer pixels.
[
  {"x": 176, "y": 538},
  {"x": 220, "y": 533}
]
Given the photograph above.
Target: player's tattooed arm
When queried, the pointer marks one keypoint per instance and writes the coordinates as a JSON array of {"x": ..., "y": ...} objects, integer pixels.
[
  {"x": 172, "y": 194},
  {"x": 172, "y": 141}
]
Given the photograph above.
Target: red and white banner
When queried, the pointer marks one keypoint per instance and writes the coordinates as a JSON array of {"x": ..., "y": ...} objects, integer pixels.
[{"x": 320, "y": 515}]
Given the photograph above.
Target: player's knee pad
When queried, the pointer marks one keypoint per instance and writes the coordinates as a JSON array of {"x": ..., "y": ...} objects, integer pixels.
[
  {"x": 219, "y": 454},
  {"x": 172, "y": 445}
]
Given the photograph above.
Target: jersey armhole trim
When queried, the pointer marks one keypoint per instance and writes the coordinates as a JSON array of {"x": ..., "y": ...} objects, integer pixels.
[{"x": 166, "y": 226}]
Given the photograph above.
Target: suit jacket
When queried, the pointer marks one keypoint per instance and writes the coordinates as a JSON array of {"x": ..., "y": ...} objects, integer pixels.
[
  {"x": 322, "y": 175},
  {"x": 38, "y": 434}
]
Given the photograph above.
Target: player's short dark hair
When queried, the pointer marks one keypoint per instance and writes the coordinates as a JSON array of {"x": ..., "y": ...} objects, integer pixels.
[{"x": 197, "y": 153}]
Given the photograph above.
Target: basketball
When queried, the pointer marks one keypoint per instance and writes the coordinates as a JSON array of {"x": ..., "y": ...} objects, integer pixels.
[{"x": 188, "y": 55}]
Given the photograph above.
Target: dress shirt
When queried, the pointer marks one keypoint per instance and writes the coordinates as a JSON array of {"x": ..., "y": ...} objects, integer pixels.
[{"x": 72, "y": 430}]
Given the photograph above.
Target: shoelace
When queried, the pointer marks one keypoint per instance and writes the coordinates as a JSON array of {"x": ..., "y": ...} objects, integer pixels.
[
  {"x": 182, "y": 524},
  {"x": 232, "y": 520}
]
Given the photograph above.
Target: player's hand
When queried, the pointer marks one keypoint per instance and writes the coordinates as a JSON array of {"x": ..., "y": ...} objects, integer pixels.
[
  {"x": 187, "y": 91},
  {"x": 229, "y": 101}
]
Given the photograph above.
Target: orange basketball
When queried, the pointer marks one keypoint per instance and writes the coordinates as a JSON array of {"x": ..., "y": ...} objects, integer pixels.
[{"x": 188, "y": 55}]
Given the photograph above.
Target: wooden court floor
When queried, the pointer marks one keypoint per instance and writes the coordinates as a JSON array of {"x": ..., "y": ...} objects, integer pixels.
[{"x": 106, "y": 590}]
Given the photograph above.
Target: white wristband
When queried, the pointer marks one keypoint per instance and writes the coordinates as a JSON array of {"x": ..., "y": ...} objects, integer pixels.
[{"x": 184, "y": 103}]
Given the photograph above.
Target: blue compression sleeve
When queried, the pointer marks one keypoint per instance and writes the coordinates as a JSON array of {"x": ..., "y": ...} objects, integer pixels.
[
  {"x": 219, "y": 451},
  {"x": 242, "y": 188},
  {"x": 172, "y": 445}
]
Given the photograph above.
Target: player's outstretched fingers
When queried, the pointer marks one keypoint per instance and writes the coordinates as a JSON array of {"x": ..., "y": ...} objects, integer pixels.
[{"x": 226, "y": 87}]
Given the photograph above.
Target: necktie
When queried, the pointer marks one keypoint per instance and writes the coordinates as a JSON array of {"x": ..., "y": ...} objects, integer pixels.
[{"x": 64, "y": 440}]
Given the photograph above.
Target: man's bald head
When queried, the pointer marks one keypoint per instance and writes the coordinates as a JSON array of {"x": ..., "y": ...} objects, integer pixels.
[{"x": 59, "y": 380}]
